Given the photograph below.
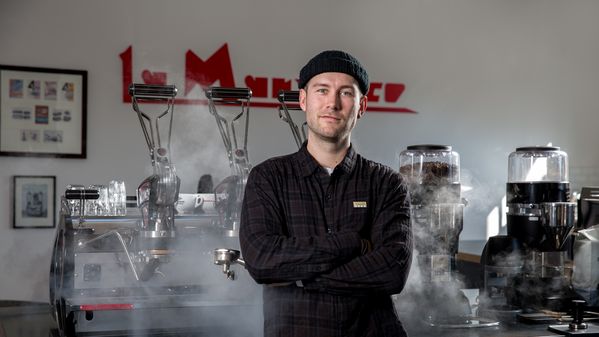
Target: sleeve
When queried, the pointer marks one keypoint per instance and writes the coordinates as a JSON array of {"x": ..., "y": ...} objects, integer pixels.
[
  {"x": 386, "y": 267},
  {"x": 270, "y": 255}
]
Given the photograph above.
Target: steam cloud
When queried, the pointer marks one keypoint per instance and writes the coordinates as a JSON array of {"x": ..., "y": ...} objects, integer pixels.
[
  {"x": 228, "y": 308},
  {"x": 432, "y": 292}
]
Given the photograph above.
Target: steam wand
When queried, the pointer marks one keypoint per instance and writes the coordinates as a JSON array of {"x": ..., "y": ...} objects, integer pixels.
[{"x": 82, "y": 244}]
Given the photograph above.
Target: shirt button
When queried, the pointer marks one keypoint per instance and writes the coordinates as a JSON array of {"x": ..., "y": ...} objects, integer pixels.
[{"x": 329, "y": 196}]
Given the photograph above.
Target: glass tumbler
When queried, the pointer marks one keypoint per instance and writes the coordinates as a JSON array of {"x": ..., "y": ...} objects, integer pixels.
[{"x": 117, "y": 198}]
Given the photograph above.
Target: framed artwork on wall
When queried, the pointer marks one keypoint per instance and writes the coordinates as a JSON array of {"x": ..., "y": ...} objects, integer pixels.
[
  {"x": 34, "y": 201},
  {"x": 43, "y": 112}
]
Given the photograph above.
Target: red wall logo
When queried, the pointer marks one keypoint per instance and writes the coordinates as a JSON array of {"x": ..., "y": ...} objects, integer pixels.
[{"x": 382, "y": 97}]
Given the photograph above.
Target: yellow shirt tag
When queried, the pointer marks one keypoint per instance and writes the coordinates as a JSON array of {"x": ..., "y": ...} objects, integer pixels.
[{"x": 360, "y": 204}]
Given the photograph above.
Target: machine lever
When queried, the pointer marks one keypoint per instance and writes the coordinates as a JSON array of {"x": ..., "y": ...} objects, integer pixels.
[
  {"x": 288, "y": 96},
  {"x": 228, "y": 93},
  {"x": 152, "y": 91}
]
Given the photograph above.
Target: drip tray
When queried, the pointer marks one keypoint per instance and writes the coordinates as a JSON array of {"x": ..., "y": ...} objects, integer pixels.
[
  {"x": 542, "y": 317},
  {"x": 553, "y": 317},
  {"x": 564, "y": 329},
  {"x": 464, "y": 322}
]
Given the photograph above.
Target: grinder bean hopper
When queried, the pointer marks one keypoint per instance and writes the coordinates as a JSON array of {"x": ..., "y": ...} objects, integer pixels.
[
  {"x": 525, "y": 269},
  {"x": 436, "y": 212}
]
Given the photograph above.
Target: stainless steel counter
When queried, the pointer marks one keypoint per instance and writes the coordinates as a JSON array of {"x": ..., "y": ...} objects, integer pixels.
[
  {"x": 30, "y": 319},
  {"x": 503, "y": 330}
]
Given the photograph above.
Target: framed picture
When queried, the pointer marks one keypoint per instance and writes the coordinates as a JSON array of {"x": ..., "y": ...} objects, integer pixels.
[
  {"x": 34, "y": 201},
  {"x": 43, "y": 112}
]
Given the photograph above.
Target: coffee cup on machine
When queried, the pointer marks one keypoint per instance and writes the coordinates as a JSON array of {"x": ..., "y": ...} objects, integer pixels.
[{"x": 188, "y": 203}]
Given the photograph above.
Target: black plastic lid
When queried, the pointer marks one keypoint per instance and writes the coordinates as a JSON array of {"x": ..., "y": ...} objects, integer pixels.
[
  {"x": 430, "y": 147},
  {"x": 538, "y": 148}
]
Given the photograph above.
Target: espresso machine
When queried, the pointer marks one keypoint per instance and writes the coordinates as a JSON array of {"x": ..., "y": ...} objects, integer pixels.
[
  {"x": 436, "y": 213},
  {"x": 525, "y": 271},
  {"x": 151, "y": 270}
]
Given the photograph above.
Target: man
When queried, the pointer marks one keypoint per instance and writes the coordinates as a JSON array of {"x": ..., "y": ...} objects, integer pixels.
[{"x": 326, "y": 230}]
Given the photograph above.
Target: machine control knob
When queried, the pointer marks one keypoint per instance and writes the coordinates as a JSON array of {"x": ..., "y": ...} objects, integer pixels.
[{"x": 578, "y": 307}]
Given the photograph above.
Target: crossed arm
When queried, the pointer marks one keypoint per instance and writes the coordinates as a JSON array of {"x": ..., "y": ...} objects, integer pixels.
[{"x": 334, "y": 263}]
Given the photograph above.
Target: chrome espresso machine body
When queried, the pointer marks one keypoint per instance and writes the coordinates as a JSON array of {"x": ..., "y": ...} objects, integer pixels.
[
  {"x": 151, "y": 270},
  {"x": 525, "y": 270}
]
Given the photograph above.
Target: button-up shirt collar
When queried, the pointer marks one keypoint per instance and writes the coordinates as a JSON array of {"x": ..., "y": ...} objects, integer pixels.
[{"x": 309, "y": 165}]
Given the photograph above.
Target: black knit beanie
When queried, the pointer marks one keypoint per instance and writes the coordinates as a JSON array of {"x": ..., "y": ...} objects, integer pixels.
[{"x": 334, "y": 61}]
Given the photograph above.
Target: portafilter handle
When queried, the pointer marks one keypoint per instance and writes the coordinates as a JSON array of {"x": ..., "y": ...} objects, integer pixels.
[{"x": 226, "y": 257}]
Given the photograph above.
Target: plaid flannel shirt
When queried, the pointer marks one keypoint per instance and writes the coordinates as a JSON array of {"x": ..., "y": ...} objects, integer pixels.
[{"x": 302, "y": 232}]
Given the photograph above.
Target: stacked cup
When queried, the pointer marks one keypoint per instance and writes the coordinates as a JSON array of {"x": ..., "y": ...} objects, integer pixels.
[
  {"x": 98, "y": 207},
  {"x": 75, "y": 204},
  {"x": 117, "y": 198}
]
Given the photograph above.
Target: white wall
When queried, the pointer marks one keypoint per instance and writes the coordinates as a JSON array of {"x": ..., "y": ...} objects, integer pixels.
[{"x": 484, "y": 76}]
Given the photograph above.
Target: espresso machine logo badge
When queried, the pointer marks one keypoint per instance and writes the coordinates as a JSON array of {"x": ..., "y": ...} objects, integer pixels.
[{"x": 360, "y": 204}]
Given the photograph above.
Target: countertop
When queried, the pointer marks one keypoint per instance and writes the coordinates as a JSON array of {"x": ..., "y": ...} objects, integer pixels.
[
  {"x": 25, "y": 319},
  {"x": 33, "y": 319},
  {"x": 502, "y": 330},
  {"x": 470, "y": 250},
  {"x": 30, "y": 319}
]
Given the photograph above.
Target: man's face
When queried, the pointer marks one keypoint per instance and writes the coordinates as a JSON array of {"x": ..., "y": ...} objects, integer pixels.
[{"x": 333, "y": 103}]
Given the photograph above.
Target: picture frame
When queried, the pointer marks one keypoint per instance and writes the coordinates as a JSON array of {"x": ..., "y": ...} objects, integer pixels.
[
  {"x": 34, "y": 201},
  {"x": 43, "y": 112}
]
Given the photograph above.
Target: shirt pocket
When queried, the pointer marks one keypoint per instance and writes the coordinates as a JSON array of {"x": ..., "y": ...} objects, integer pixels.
[{"x": 356, "y": 215}]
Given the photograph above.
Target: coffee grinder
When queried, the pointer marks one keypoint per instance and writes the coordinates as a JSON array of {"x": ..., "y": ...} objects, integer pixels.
[
  {"x": 436, "y": 213},
  {"x": 524, "y": 270}
]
